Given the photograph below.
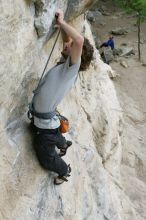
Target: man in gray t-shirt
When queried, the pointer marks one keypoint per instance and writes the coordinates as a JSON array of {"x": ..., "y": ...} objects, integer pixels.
[{"x": 55, "y": 85}]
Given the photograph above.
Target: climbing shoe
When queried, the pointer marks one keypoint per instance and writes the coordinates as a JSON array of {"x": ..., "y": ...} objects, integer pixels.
[
  {"x": 63, "y": 149},
  {"x": 61, "y": 179}
]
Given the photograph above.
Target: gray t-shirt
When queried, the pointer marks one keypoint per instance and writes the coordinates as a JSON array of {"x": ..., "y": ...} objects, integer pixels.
[{"x": 55, "y": 85}]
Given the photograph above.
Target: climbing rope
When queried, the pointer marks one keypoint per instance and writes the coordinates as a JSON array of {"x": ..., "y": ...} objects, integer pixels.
[
  {"x": 51, "y": 51},
  {"x": 48, "y": 58}
]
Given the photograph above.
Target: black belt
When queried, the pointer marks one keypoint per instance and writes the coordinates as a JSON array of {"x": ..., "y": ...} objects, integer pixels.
[{"x": 46, "y": 115}]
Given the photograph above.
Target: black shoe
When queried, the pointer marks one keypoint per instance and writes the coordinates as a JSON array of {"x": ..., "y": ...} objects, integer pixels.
[
  {"x": 63, "y": 150},
  {"x": 61, "y": 179}
]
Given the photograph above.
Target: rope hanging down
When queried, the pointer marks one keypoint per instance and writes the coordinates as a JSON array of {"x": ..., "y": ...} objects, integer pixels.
[
  {"x": 49, "y": 58},
  {"x": 50, "y": 52}
]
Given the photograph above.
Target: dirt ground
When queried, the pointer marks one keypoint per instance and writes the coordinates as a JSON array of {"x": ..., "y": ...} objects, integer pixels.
[
  {"x": 131, "y": 80},
  {"x": 130, "y": 86}
]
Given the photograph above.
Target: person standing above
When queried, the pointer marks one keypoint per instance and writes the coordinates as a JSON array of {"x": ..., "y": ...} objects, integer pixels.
[{"x": 76, "y": 54}]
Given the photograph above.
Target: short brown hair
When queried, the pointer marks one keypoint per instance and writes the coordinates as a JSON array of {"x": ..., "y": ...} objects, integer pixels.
[{"x": 87, "y": 55}]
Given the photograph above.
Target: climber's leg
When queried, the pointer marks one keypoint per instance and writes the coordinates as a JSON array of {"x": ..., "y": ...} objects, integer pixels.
[
  {"x": 62, "y": 143},
  {"x": 44, "y": 145},
  {"x": 63, "y": 149}
]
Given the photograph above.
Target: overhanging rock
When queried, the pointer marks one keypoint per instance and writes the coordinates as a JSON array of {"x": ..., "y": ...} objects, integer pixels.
[{"x": 45, "y": 10}]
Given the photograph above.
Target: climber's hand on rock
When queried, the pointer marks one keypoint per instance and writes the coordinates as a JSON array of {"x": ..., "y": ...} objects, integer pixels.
[{"x": 59, "y": 15}]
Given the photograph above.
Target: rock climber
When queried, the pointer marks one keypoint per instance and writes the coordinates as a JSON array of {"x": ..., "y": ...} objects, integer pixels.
[{"x": 77, "y": 54}]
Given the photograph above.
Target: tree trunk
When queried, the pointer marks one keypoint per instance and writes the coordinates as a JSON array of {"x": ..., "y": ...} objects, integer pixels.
[{"x": 139, "y": 31}]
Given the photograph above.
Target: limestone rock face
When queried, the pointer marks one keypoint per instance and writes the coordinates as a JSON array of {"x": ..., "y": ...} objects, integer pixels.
[
  {"x": 78, "y": 7},
  {"x": 27, "y": 192},
  {"x": 45, "y": 10},
  {"x": 44, "y": 15}
]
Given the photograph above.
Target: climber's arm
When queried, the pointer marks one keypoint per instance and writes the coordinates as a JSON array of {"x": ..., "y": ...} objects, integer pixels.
[
  {"x": 65, "y": 37},
  {"x": 70, "y": 33}
]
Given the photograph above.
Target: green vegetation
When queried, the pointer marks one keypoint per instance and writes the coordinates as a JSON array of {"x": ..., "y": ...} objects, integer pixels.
[{"x": 139, "y": 7}]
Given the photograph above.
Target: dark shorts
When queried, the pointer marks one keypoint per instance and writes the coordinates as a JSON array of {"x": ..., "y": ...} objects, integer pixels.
[{"x": 44, "y": 144}]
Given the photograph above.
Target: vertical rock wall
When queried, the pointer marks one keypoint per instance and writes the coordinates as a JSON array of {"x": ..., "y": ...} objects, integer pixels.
[{"x": 26, "y": 191}]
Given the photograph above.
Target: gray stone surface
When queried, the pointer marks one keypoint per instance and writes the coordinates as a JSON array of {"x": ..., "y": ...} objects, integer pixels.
[
  {"x": 119, "y": 31},
  {"x": 78, "y": 7},
  {"x": 94, "y": 190},
  {"x": 124, "y": 63},
  {"x": 127, "y": 51},
  {"x": 45, "y": 11},
  {"x": 92, "y": 16}
]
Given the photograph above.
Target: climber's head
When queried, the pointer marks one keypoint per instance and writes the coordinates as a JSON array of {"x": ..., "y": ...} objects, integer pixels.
[{"x": 87, "y": 55}]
